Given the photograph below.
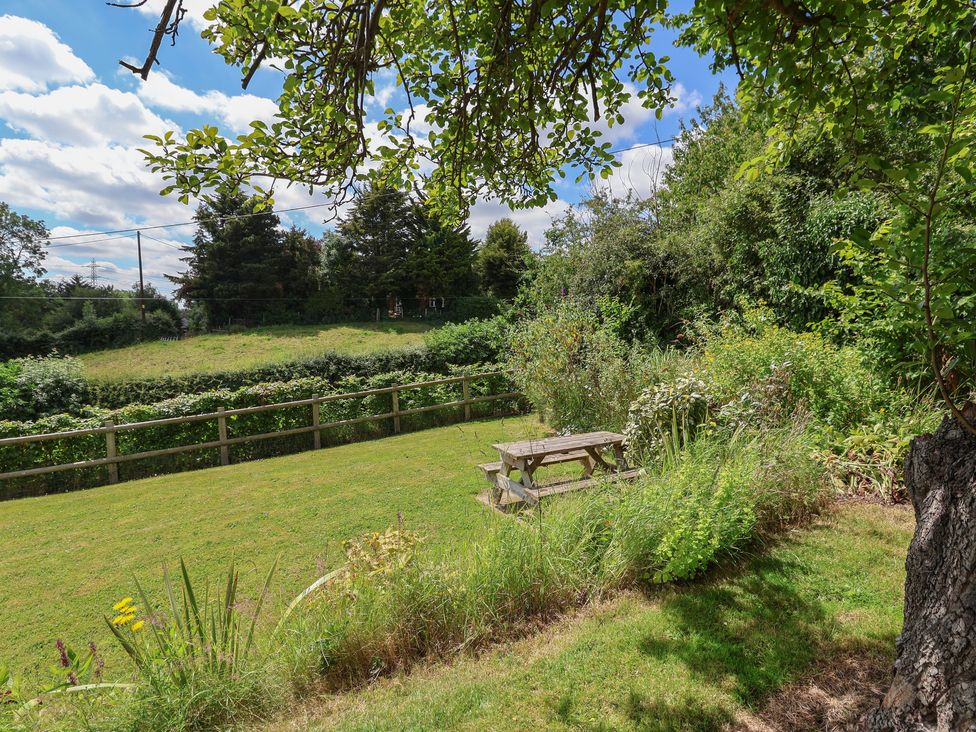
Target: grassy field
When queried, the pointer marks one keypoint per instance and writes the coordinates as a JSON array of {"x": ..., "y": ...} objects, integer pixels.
[
  {"x": 692, "y": 657},
  {"x": 255, "y": 347},
  {"x": 67, "y": 558}
]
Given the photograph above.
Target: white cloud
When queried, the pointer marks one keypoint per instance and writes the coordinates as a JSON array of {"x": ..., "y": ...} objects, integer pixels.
[
  {"x": 32, "y": 57},
  {"x": 106, "y": 186},
  {"x": 533, "y": 221},
  {"x": 194, "y": 11},
  {"x": 237, "y": 112},
  {"x": 81, "y": 115}
]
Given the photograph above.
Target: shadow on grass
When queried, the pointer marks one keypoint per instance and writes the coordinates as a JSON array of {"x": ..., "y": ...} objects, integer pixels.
[{"x": 747, "y": 631}]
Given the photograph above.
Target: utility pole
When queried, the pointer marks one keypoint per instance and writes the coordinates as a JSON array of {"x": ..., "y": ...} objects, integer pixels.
[
  {"x": 142, "y": 289},
  {"x": 93, "y": 273}
]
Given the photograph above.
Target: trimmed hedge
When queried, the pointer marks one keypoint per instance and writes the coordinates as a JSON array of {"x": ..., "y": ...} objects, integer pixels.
[
  {"x": 330, "y": 367},
  {"x": 113, "y": 331},
  {"x": 77, "y": 449},
  {"x": 473, "y": 342}
]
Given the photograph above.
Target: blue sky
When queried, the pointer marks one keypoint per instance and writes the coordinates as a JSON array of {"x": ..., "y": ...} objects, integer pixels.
[{"x": 71, "y": 120}]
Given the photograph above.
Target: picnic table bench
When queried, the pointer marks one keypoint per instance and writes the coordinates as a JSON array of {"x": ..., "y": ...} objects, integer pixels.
[{"x": 528, "y": 456}]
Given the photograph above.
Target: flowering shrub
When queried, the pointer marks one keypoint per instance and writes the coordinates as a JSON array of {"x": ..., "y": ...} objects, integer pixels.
[
  {"x": 666, "y": 414},
  {"x": 51, "y": 384}
]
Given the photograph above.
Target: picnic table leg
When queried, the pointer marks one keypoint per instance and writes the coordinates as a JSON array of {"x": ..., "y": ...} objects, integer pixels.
[
  {"x": 594, "y": 453},
  {"x": 620, "y": 457},
  {"x": 589, "y": 464},
  {"x": 505, "y": 471}
]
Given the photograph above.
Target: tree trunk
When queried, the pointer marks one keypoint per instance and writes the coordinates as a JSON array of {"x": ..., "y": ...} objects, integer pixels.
[{"x": 934, "y": 686}]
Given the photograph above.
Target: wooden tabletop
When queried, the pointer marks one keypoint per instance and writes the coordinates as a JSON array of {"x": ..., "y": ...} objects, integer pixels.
[{"x": 553, "y": 445}]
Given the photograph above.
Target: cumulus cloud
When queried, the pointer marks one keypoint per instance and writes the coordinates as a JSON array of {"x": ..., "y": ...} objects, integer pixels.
[
  {"x": 533, "y": 221},
  {"x": 236, "y": 112},
  {"x": 32, "y": 57},
  {"x": 106, "y": 186},
  {"x": 81, "y": 115}
]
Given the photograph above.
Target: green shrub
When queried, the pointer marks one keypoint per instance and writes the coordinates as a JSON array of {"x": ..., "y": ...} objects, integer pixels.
[
  {"x": 51, "y": 385},
  {"x": 331, "y": 367},
  {"x": 741, "y": 357},
  {"x": 667, "y": 413},
  {"x": 484, "y": 307},
  {"x": 473, "y": 341},
  {"x": 577, "y": 373}
]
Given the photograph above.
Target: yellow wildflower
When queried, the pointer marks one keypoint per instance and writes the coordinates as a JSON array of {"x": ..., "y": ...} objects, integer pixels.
[
  {"x": 124, "y": 602},
  {"x": 123, "y": 619},
  {"x": 138, "y": 625}
]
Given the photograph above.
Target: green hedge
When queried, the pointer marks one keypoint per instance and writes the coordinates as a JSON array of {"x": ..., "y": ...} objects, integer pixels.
[
  {"x": 77, "y": 449},
  {"x": 330, "y": 367}
]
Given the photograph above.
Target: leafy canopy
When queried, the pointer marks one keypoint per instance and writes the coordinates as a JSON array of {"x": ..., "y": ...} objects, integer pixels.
[{"x": 501, "y": 96}]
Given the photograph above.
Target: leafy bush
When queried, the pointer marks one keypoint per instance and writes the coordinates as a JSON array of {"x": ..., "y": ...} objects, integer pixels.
[
  {"x": 473, "y": 307},
  {"x": 833, "y": 382},
  {"x": 91, "y": 334},
  {"x": 869, "y": 459},
  {"x": 577, "y": 373},
  {"x": 331, "y": 367},
  {"x": 51, "y": 385},
  {"x": 473, "y": 341}
]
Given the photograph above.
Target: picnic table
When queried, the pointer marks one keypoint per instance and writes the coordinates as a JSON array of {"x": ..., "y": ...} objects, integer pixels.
[{"x": 528, "y": 456}]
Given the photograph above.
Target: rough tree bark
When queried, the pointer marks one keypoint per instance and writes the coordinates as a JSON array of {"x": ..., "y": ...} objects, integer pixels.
[{"x": 934, "y": 686}]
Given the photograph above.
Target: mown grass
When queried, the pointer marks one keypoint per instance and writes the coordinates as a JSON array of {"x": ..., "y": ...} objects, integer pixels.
[
  {"x": 247, "y": 349},
  {"x": 67, "y": 558},
  {"x": 683, "y": 657}
]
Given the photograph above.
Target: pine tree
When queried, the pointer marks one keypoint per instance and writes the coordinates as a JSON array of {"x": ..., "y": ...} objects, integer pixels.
[
  {"x": 243, "y": 266},
  {"x": 502, "y": 259}
]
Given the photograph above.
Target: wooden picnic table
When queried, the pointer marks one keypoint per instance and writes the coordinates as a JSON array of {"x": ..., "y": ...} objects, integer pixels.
[{"x": 528, "y": 456}]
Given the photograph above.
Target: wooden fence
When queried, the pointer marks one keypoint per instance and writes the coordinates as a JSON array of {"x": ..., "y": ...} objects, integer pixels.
[{"x": 224, "y": 442}]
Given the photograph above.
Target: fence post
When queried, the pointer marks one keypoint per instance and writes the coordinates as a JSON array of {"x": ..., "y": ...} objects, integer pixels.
[
  {"x": 316, "y": 435},
  {"x": 222, "y": 433},
  {"x": 396, "y": 411},
  {"x": 466, "y": 392},
  {"x": 110, "y": 452}
]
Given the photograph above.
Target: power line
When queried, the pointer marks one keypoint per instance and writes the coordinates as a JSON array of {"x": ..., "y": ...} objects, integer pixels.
[
  {"x": 164, "y": 243},
  {"x": 231, "y": 217},
  {"x": 92, "y": 241}
]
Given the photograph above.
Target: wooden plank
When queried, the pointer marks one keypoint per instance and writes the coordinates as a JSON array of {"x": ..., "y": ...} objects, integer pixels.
[
  {"x": 111, "y": 453},
  {"x": 316, "y": 419},
  {"x": 547, "y": 445},
  {"x": 222, "y": 434},
  {"x": 396, "y": 411},
  {"x": 507, "y": 484}
]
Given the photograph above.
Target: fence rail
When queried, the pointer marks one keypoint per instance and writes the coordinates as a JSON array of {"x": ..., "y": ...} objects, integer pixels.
[{"x": 112, "y": 457}]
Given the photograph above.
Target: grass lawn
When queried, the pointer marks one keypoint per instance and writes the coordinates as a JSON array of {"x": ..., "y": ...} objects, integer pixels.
[
  {"x": 691, "y": 657},
  {"x": 255, "y": 347},
  {"x": 67, "y": 558}
]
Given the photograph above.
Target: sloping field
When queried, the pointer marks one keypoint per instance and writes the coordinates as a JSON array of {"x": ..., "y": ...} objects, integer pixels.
[
  {"x": 67, "y": 558},
  {"x": 250, "y": 348},
  {"x": 822, "y": 608}
]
